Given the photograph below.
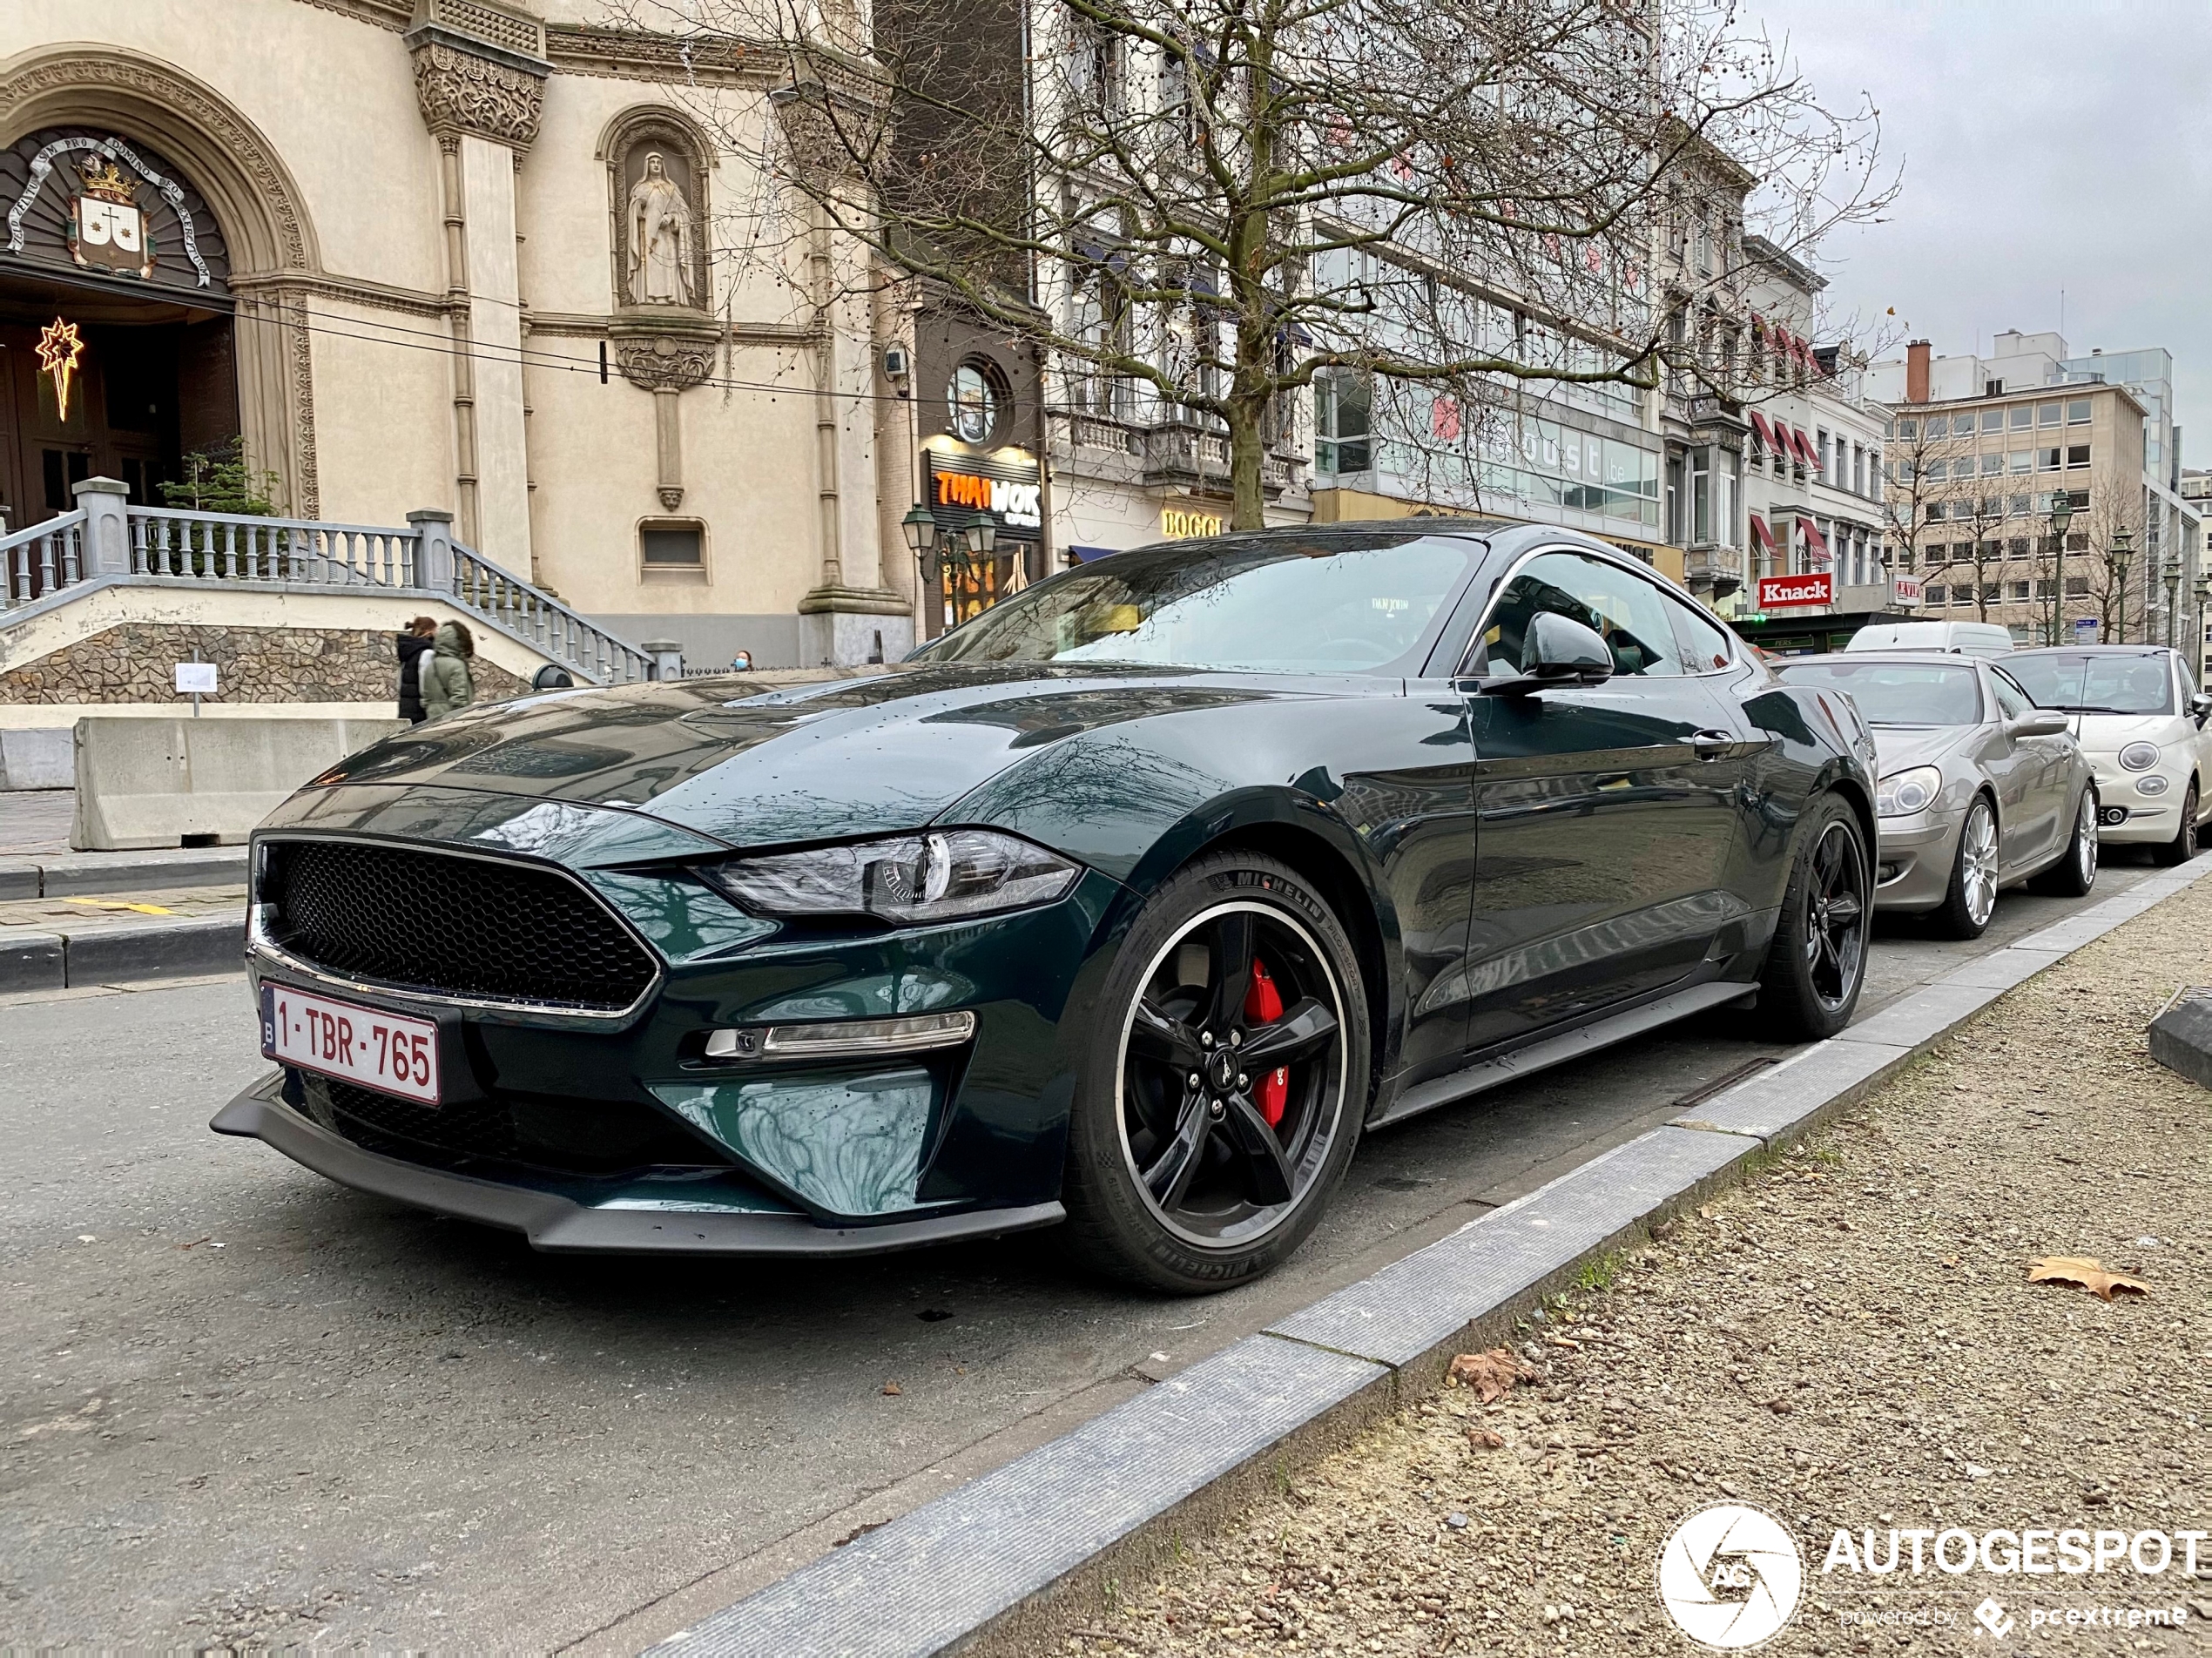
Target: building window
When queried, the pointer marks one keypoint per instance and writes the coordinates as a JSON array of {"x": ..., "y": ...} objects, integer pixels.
[
  {"x": 2077, "y": 412},
  {"x": 2018, "y": 507},
  {"x": 1912, "y": 429},
  {"x": 1342, "y": 407},
  {"x": 1939, "y": 470},
  {"x": 2016, "y": 548},
  {"x": 2022, "y": 417},
  {"x": 1939, "y": 425},
  {"x": 2049, "y": 414},
  {"x": 1992, "y": 420},
  {"x": 2047, "y": 459},
  {"x": 1701, "y": 495},
  {"x": 1874, "y": 470},
  {"x": 2077, "y": 455},
  {"x": 1935, "y": 593},
  {"x": 2077, "y": 587},
  {"x": 2020, "y": 589},
  {"x": 1858, "y": 469},
  {"x": 1990, "y": 466},
  {"x": 672, "y": 550},
  {"x": 2020, "y": 461}
]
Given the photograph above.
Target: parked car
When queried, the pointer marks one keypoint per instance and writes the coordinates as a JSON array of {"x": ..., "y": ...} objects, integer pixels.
[
  {"x": 1131, "y": 904},
  {"x": 1979, "y": 788},
  {"x": 2138, "y": 716},
  {"x": 1953, "y": 638}
]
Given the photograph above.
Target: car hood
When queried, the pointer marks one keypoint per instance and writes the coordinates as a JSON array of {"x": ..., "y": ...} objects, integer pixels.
[
  {"x": 812, "y": 762},
  {"x": 2110, "y": 734},
  {"x": 1900, "y": 747}
]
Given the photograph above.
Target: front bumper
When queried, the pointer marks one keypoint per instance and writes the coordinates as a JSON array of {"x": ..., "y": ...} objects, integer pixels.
[
  {"x": 2150, "y": 818},
  {"x": 1914, "y": 859},
  {"x": 627, "y": 1220}
]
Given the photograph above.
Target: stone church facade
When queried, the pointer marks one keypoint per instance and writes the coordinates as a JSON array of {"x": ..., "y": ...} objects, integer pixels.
[{"x": 456, "y": 255}]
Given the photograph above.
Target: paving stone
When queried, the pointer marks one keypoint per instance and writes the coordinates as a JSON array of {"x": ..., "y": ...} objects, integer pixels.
[
  {"x": 1777, "y": 1101},
  {"x": 2180, "y": 1037},
  {"x": 1922, "y": 1016},
  {"x": 930, "y": 1577},
  {"x": 2001, "y": 970},
  {"x": 1412, "y": 1305}
]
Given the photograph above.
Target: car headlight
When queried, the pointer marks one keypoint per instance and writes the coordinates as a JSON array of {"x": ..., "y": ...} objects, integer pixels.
[
  {"x": 944, "y": 876},
  {"x": 2150, "y": 785},
  {"x": 1902, "y": 793},
  {"x": 2139, "y": 756}
]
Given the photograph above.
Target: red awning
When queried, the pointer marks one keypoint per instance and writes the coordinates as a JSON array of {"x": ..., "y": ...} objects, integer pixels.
[
  {"x": 1816, "y": 543},
  {"x": 1760, "y": 533},
  {"x": 1805, "y": 448},
  {"x": 1765, "y": 432}
]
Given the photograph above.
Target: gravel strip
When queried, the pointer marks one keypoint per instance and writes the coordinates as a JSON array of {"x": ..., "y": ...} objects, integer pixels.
[{"x": 1848, "y": 1340}]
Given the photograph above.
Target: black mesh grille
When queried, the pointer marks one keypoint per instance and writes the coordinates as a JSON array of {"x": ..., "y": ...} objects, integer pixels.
[
  {"x": 591, "y": 1137},
  {"x": 469, "y": 926}
]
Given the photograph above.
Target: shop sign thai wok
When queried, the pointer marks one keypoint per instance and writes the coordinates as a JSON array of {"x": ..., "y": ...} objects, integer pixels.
[{"x": 961, "y": 485}]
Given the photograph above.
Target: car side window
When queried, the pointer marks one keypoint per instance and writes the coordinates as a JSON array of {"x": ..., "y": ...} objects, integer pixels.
[
  {"x": 1624, "y": 609},
  {"x": 1704, "y": 644},
  {"x": 2010, "y": 700}
]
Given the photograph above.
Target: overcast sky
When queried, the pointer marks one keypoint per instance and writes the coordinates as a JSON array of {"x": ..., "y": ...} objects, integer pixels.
[{"x": 2045, "y": 146}]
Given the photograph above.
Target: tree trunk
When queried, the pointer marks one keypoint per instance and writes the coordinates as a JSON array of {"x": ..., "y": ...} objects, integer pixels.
[{"x": 1247, "y": 444}]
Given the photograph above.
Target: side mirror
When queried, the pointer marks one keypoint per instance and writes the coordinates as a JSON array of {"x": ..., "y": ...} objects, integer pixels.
[
  {"x": 2200, "y": 706},
  {"x": 1557, "y": 650},
  {"x": 2039, "y": 723}
]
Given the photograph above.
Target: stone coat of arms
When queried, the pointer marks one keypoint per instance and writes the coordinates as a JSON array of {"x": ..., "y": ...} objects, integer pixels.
[{"x": 107, "y": 228}]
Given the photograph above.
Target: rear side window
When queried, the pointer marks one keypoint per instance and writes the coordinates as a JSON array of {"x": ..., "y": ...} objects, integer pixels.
[
  {"x": 1627, "y": 611},
  {"x": 1705, "y": 645}
]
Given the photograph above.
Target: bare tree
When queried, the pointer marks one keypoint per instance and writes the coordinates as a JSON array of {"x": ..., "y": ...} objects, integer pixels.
[
  {"x": 2099, "y": 553},
  {"x": 1201, "y": 206}
]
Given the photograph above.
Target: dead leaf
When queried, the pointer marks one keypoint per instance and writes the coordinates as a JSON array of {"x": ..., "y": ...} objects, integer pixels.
[
  {"x": 1492, "y": 1374},
  {"x": 2086, "y": 1270},
  {"x": 892, "y": 1389},
  {"x": 1486, "y": 1439}
]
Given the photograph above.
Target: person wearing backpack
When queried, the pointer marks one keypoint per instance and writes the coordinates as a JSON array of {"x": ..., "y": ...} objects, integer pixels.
[
  {"x": 446, "y": 683},
  {"x": 414, "y": 648}
]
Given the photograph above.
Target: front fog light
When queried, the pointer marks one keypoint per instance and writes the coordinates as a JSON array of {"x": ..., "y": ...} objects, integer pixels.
[
  {"x": 2150, "y": 785},
  {"x": 841, "y": 1038}
]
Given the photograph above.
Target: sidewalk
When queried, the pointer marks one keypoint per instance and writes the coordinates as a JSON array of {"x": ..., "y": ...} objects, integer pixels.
[{"x": 1847, "y": 1341}]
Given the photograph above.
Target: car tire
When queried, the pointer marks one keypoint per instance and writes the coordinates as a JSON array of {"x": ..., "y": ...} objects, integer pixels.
[
  {"x": 2076, "y": 871},
  {"x": 2182, "y": 847},
  {"x": 1169, "y": 1185},
  {"x": 1816, "y": 964},
  {"x": 1970, "y": 900}
]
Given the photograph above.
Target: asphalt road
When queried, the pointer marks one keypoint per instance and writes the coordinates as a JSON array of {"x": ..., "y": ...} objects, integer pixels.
[{"x": 242, "y": 1405}]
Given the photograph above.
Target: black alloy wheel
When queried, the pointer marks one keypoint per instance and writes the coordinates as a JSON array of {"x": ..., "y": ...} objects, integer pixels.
[
  {"x": 2182, "y": 847},
  {"x": 1225, "y": 1095},
  {"x": 1816, "y": 964}
]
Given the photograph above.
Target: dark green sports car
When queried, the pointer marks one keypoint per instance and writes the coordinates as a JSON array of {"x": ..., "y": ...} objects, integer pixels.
[{"x": 1128, "y": 905}]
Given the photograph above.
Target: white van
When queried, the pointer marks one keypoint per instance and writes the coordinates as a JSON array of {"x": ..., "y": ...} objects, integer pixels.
[{"x": 1953, "y": 638}]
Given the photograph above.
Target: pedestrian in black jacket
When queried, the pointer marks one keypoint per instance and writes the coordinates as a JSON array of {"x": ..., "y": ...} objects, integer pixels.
[{"x": 414, "y": 648}]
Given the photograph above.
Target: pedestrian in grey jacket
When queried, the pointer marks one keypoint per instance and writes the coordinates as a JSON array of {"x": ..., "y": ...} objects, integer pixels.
[{"x": 447, "y": 682}]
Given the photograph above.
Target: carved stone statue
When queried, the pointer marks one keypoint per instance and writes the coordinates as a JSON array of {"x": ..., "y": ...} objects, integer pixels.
[{"x": 660, "y": 239}]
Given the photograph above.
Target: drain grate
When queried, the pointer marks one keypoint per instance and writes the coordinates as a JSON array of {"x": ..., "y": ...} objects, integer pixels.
[{"x": 1721, "y": 1083}]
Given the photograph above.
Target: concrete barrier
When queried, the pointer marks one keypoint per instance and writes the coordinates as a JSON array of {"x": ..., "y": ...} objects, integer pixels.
[
  {"x": 41, "y": 758},
  {"x": 145, "y": 783}
]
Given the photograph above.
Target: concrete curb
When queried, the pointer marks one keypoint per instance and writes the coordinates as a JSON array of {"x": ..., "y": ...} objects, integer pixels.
[
  {"x": 124, "y": 954},
  {"x": 86, "y": 874},
  {"x": 1010, "y": 1560}
]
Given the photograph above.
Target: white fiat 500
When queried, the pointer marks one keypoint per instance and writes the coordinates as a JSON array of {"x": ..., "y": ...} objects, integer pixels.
[{"x": 2141, "y": 719}]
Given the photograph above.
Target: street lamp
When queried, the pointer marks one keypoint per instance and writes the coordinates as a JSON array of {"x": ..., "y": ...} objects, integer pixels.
[
  {"x": 920, "y": 527},
  {"x": 2061, "y": 515},
  {"x": 2172, "y": 576},
  {"x": 2203, "y": 588},
  {"x": 2116, "y": 561},
  {"x": 982, "y": 535}
]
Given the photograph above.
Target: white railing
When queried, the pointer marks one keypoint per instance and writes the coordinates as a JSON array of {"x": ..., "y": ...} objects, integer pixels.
[
  {"x": 301, "y": 552},
  {"x": 105, "y": 540},
  {"x": 542, "y": 620},
  {"x": 37, "y": 561}
]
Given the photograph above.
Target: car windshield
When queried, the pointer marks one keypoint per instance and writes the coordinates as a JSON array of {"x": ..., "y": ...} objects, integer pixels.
[
  {"x": 1272, "y": 604},
  {"x": 1897, "y": 693},
  {"x": 2095, "y": 682}
]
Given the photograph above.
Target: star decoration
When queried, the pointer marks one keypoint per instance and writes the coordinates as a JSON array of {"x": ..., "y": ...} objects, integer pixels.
[{"x": 59, "y": 347}]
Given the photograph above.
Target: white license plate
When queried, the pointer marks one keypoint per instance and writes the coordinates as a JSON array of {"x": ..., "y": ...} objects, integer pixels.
[{"x": 389, "y": 1052}]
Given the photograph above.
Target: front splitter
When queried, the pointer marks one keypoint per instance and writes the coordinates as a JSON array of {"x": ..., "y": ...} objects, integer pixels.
[{"x": 558, "y": 1225}]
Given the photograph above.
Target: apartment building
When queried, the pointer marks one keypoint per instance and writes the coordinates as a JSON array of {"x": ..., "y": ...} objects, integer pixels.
[{"x": 2044, "y": 424}]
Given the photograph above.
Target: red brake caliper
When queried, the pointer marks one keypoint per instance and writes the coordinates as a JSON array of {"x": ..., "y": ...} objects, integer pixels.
[{"x": 1262, "y": 1006}]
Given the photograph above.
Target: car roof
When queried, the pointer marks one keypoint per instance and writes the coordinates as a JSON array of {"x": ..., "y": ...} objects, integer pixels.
[
  {"x": 2095, "y": 651},
  {"x": 1860, "y": 658}
]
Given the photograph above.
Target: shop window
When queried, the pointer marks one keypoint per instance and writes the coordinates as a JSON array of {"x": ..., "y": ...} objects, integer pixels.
[{"x": 672, "y": 550}]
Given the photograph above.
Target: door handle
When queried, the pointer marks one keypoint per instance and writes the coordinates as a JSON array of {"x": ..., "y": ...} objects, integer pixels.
[{"x": 1711, "y": 744}]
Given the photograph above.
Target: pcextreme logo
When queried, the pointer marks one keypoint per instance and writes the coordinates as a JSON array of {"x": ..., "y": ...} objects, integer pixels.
[{"x": 1730, "y": 1576}]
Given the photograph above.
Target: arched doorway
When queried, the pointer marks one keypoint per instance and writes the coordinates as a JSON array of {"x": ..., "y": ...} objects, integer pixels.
[
  {"x": 117, "y": 328},
  {"x": 234, "y": 357}
]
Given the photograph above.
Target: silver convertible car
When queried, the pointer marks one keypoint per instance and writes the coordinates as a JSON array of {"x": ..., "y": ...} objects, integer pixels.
[{"x": 1979, "y": 788}]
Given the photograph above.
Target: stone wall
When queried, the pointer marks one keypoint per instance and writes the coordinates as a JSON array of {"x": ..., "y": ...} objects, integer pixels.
[{"x": 136, "y": 663}]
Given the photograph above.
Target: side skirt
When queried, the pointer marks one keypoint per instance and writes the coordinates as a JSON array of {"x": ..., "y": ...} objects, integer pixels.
[{"x": 1542, "y": 1055}]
